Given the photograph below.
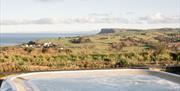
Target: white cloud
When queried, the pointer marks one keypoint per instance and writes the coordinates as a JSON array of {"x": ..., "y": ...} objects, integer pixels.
[
  {"x": 130, "y": 13},
  {"x": 69, "y": 20},
  {"x": 26, "y": 21},
  {"x": 44, "y": 21},
  {"x": 160, "y": 18},
  {"x": 100, "y": 14},
  {"x": 97, "y": 18}
]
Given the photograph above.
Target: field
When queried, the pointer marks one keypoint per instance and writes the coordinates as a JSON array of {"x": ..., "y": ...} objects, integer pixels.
[{"x": 120, "y": 48}]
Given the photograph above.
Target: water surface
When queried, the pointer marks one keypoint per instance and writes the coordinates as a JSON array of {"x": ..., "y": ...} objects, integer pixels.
[
  {"x": 106, "y": 83},
  {"x": 7, "y": 39}
]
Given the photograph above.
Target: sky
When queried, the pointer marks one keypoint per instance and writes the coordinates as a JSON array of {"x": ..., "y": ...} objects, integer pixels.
[{"x": 67, "y": 16}]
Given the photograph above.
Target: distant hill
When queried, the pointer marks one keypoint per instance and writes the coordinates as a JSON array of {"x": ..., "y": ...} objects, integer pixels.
[
  {"x": 116, "y": 30},
  {"x": 107, "y": 30}
]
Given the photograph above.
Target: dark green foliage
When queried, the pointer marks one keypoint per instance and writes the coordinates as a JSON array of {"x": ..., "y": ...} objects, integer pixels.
[
  {"x": 3, "y": 49},
  {"x": 44, "y": 50},
  {"x": 81, "y": 40},
  {"x": 175, "y": 56},
  {"x": 122, "y": 62},
  {"x": 29, "y": 49}
]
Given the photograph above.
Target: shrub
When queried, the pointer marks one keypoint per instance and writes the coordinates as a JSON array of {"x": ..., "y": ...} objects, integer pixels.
[
  {"x": 44, "y": 50},
  {"x": 122, "y": 62},
  {"x": 117, "y": 46},
  {"x": 28, "y": 49},
  {"x": 3, "y": 49},
  {"x": 81, "y": 40},
  {"x": 31, "y": 43},
  {"x": 175, "y": 56}
]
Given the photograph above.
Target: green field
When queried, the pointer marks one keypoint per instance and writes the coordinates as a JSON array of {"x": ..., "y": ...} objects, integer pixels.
[{"x": 122, "y": 49}]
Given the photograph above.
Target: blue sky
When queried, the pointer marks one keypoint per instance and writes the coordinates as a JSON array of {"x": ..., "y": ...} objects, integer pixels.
[{"x": 66, "y": 16}]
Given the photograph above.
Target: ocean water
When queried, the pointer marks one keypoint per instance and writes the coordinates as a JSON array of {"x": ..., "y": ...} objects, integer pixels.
[
  {"x": 106, "y": 83},
  {"x": 8, "y": 39}
]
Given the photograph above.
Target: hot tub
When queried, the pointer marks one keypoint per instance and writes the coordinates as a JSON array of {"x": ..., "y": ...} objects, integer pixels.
[{"x": 94, "y": 80}]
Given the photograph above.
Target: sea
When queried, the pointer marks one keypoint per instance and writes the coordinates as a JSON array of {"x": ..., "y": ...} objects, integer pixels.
[{"x": 9, "y": 39}]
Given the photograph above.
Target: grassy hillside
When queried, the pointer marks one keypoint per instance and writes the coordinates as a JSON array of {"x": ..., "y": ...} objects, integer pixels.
[{"x": 120, "y": 48}]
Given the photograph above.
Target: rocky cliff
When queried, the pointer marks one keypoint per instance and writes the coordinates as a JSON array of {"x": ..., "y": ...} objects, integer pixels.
[{"x": 107, "y": 30}]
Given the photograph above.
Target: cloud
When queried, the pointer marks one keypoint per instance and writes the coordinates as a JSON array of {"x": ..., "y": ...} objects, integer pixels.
[
  {"x": 70, "y": 20},
  {"x": 130, "y": 13},
  {"x": 100, "y": 14},
  {"x": 159, "y": 18},
  {"x": 43, "y": 21},
  {"x": 9, "y": 22},
  {"x": 26, "y": 21},
  {"x": 97, "y": 18}
]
